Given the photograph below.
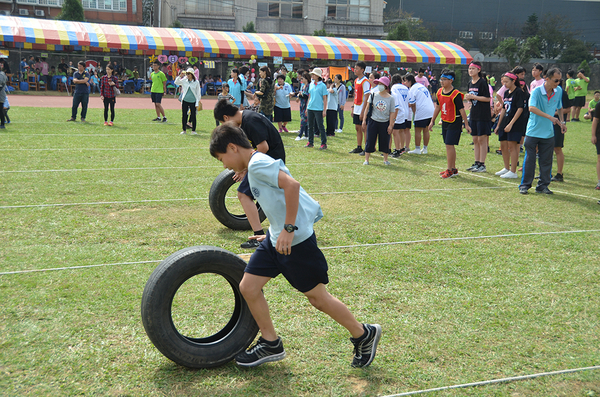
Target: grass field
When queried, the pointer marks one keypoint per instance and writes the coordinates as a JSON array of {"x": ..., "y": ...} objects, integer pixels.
[{"x": 481, "y": 283}]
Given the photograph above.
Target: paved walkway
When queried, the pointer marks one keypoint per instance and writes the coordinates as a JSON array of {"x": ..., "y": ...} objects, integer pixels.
[{"x": 125, "y": 101}]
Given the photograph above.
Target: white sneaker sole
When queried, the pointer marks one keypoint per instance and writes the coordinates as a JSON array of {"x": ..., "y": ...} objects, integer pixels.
[{"x": 267, "y": 359}]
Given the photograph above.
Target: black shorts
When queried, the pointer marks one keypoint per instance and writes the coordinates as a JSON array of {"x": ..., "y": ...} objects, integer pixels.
[
  {"x": 356, "y": 119},
  {"x": 422, "y": 123},
  {"x": 156, "y": 97},
  {"x": 598, "y": 143},
  {"x": 480, "y": 128},
  {"x": 568, "y": 104},
  {"x": 451, "y": 137},
  {"x": 402, "y": 126},
  {"x": 305, "y": 268},
  {"x": 282, "y": 114},
  {"x": 512, "y": 136},
  {"x": 245, "y": 187},
  {"x": 578, "y": 102},
  {"x": 559, "y": 137}
]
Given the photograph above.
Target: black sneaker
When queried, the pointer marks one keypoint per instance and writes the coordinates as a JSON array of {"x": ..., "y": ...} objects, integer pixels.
[
  {"x": 473, "y": 167},
  {"x": 358, "y": 149},
  {"x": 365, "y": 348},
  {"x": 544, "y": 191},
  {"x": 523, "y": 190},
  {"x": 251, "y": 243},
  {"x": 557, "y": 178},
  {"x": 164, "y": 120},
  {"x": 396, "y": 154},
  {"x": 262, "y": 352},
  {"x": 156, "y": 119},
  {"x": 362, "y": 153}
]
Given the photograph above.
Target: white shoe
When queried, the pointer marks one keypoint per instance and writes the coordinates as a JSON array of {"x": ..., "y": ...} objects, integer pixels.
[
  {"x": 304, "y": 138},
  {"x": 510, "y": 175},
  {"x": 366, "y": 162},
  {"x": 339, "y": 130},
  {"x": 424, "y": 150},
  {"x": 193, "y": 133},
  {"x": 416, "y": 151},
  {"x": 182, "y": 133},
  {"x": 298, "y": 138},
  {"x": 502, "y": 172}
]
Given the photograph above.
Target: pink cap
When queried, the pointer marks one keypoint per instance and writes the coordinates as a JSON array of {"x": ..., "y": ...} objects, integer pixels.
[{"x": 383, "y": 80}]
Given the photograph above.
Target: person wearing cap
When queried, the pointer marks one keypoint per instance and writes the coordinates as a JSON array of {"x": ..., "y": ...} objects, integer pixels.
[
  {"x": 316, "y": 108},
  {"x": 379, "y": 119},
  {"x": 190, "y": 98}
]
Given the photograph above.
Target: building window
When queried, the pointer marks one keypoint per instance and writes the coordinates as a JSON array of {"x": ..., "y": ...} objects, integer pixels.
[
  {"x": 351, "y": 10},
  {"x": 465, "y": 34},
  {"x": 209, "y": 7},
  {"x": 486, "y": 35},
  {"x": 280, "y": 9},
  {"x": 110, "y": 5},
  {"x": 56, "y": 3}
]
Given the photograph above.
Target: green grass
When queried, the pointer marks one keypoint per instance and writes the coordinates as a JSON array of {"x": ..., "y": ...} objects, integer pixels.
[{"x": 452, "y": 312}]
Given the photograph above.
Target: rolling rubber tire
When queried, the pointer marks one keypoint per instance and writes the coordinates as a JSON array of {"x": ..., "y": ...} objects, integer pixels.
[
  {"x": 216, "y": 200},
  {"x": 157, "y": 301}
]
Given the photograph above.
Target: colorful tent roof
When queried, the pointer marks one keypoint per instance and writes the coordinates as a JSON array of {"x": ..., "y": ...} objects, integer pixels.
[{"x": 54, "y": 35}]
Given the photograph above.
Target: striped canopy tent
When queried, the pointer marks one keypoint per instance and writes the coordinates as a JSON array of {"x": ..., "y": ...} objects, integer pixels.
[{"x": 53, "y": 35}]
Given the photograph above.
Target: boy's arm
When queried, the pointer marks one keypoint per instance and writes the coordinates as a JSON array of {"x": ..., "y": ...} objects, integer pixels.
[
  {"x": 435, "y": 114},
  {"x": 595, "y": 128},
  {"x": 291, "y": 190},
  {"x": 463, "y": 114}
]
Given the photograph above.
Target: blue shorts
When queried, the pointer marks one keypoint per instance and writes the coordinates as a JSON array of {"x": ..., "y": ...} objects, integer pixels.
[
  {"x": 245, "y": 187},
  {"x": 480, "y": 128},
  {"x": 304, "y": 268},
  {"x": 451, "y": 137},
  {"x": 156, "y": 97},
  {"x": 512, "y": 136}
]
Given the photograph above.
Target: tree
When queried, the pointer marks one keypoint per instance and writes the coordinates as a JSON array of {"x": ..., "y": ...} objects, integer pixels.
[
  {"x": 407, "y": 28},
  {"x": 176, "y": 24},
  {"x": 518, "y": 52},
  {"x": 72, "y": 10},
  {"x": 508, "y": 49},
  {"x": 147, "y": 8},
  {"x": 531, "y": 27},
  {"x": 586, "y": 68},
  {"x": 249, "y": 28},
  {"x": 555, "y": 33},
  {"x": 322, "y": 33},
  {"x": 576, "y": 51}
]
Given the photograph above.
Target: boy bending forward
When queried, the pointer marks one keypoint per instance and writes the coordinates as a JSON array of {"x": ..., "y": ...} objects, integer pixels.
[{"x": 289, "y": 248}]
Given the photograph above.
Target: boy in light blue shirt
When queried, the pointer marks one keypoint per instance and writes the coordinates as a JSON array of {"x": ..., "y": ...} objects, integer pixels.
[
  {"x": 282, "y": 112},
  {"x": 544, "y": 101},
  {"x": 289, "y": 248}
]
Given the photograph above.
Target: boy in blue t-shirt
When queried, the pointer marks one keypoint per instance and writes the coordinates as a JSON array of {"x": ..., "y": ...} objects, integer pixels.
[{"x": 290, "y": 248}]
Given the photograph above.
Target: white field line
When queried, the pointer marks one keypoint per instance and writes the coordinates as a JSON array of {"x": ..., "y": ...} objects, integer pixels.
[
  {"x": 335, "y": 247},
  {"x": 489, "y": 382},
  {"x": 206, "y": 198}
]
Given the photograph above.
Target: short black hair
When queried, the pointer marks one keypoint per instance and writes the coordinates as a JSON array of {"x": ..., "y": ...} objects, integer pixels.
[
  {"x": 596, "y": 92},
  {"x": 411, "y": 79},
  {"x": 81, "y": 63},
  {"x": 570, "y": 73},
  {"x": 224, "y": 108},
  {"x": 281, "y": 76},
  {"x": 225, "y": 134},
  {"x": 582, "y": 71},
  {"x": 449, "y": 72},
  {"x": 538, "y": 66},
  {"x": 361, "y": 65}
]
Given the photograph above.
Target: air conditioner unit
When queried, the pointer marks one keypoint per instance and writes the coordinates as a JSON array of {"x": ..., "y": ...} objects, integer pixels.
[
  {"x": 5, "y": 12},
  {"x": 23, "y": 11},
  {"x": 39, "y": 13}
]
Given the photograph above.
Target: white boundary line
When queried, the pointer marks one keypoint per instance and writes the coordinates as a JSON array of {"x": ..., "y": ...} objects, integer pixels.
[
  {"x": 489, "y": 382},
  {"x": 104, "y": 149},
  {"x": 154, "y": 168},
  {"x": 334, "y": 247},
  {"x": 206, "y": 198}
]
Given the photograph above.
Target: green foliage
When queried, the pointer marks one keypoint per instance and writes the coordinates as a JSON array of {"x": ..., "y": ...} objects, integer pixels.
[
  {"x": 586, "y": 68},
  {"x": 408, "y": 28},
  {"x": 147, "y": 6},
  {"x": 176, "y": 24},
  {"x": 322, "y": 33},
  {"x": 576, "y": 51},
  {"x": 508, "y": 49},
  {"x": 518, "y": 52},
  {"x": 555, "y": 33},
  {"x": 72, "y": 10},
  {"x": 249, "y": 28},
  {"x": 531, "y": 27}
]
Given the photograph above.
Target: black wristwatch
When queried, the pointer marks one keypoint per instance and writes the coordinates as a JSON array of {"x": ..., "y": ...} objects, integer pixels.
[{"x": 288, "y": 227}]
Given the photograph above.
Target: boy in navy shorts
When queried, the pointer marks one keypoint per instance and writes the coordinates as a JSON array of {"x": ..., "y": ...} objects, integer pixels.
[
  {"x": 289, "y": 248},
  {"x": 450, "y": 104}
]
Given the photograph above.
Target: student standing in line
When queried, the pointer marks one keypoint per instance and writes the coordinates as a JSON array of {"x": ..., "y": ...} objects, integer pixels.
[
  {"x": 282, "y": 112},
  {"x": 381, "y": 120},
  {"x": 107, "y": 94},
  {"x": 237, "y": 88},
  {"x": 511, "y": 125},
  {"x": 82, "y": 92},
  {"x": 332, "y": 107},
  {"x": 159, "y": 87},
  {"x": 361, "y": 90},
  {"x": 401, "y": 124},
  {"x": 581, "y": 91},
  {"x": 316, "y": 108},
  {"x": 419, "y": 101},
  {"x": 559, "y": 138},
  {"x": 451, "y": 106},
  {"x": 596, "y": 140},
  {"x": 265, "y": 92},
  {"x": 342, "y": 96},
  {"x": 290, "y": 248},
  {"x": 302, "y": 96},
  {"x": 538, "y": 76},
  {"x": 570, "y": 89},
  {"x": 480, "y": 119},
  {"x": 190, "y": 98}
]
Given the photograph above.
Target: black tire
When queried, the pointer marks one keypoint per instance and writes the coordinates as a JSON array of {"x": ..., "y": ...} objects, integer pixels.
[
  {"x": 216, "y": 200},
  {"x": 157, "y": 301}
]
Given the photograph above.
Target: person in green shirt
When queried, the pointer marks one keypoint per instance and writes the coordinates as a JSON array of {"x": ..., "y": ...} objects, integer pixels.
[
  {"x": 592, "y": 106},
  {"x": 159, "y": 87},
  {"x": 570, "y": 89},
  {"x": 580, "y": 94}
]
